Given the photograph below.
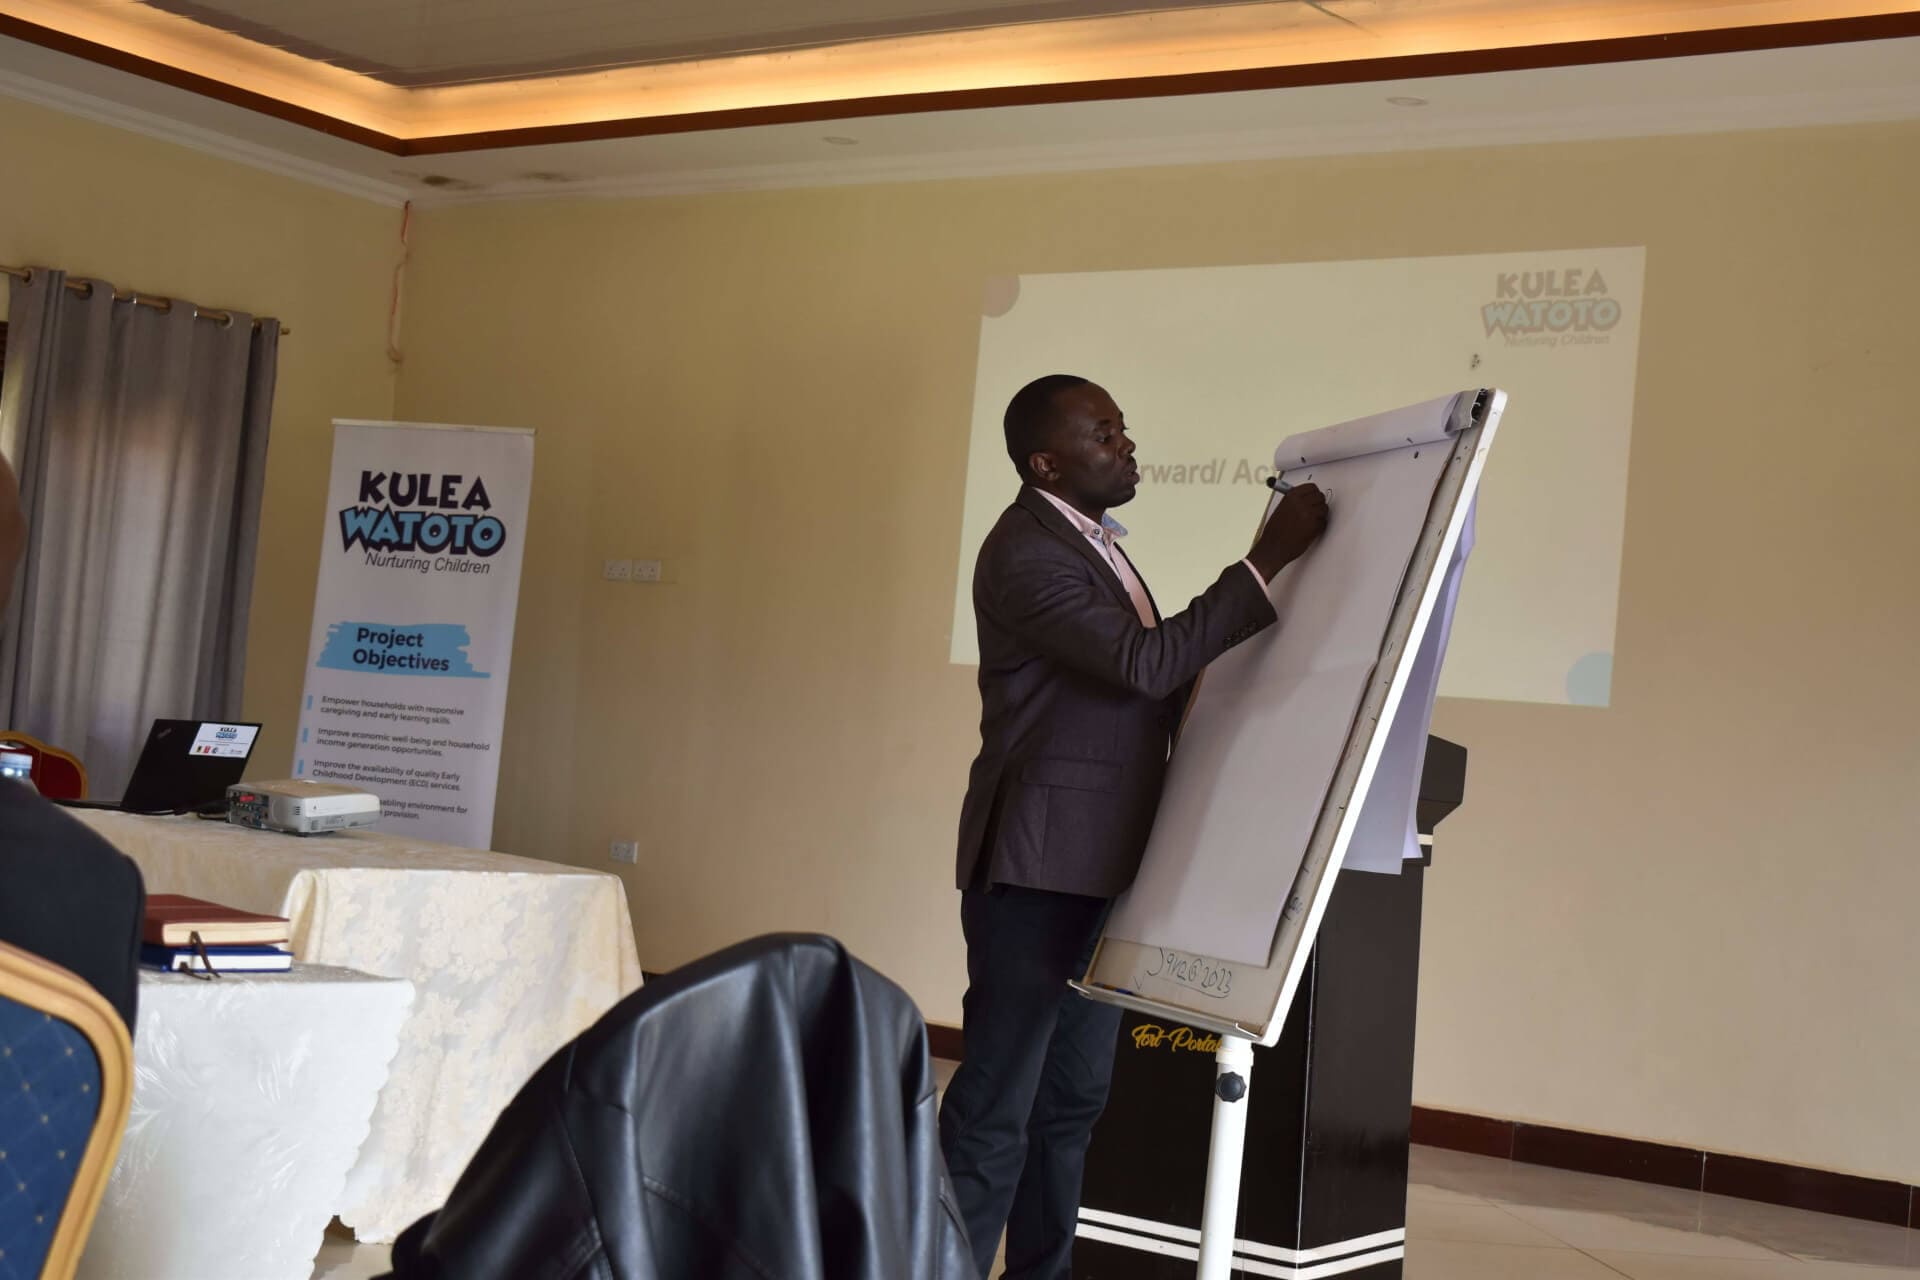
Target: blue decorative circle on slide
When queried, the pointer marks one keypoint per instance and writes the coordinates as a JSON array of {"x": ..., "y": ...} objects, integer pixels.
[{"x": 1590, "y": 680}]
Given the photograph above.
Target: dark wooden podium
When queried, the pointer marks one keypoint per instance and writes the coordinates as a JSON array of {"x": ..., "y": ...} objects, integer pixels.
[{"x": 1323, "y": 1188}]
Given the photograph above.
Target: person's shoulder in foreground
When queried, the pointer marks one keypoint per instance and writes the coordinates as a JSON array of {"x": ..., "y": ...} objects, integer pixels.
[{"x": 68, "y": 896}]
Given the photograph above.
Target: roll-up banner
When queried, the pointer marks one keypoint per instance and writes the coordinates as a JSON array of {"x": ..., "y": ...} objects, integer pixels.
[{"x": 420, "y": 559}]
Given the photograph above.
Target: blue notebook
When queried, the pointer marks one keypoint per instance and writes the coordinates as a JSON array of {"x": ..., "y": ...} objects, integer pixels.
[{"x": 225, "y": 959}]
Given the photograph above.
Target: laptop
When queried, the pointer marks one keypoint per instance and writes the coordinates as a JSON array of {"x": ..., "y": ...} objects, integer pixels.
[{"x": 186, "y": 765}]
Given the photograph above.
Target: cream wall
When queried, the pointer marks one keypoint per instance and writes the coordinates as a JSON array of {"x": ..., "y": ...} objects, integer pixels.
[
  {"x": 1689, "y": 917},
  {"x": 165, "y": 219}
]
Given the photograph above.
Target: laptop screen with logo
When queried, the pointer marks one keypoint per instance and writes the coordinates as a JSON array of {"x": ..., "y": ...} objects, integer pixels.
[
  {"x": 224, "y": 740},
  {"x": 188, "y": 763}
]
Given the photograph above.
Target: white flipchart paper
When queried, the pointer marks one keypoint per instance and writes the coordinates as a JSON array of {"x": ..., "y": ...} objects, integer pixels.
[
  {"x": 1385, "y": 834},
  {"x": 1264, "y": 734}
]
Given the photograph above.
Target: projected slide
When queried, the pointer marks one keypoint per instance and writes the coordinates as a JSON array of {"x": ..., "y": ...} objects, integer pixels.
[{"x": 1215, "y": 366}]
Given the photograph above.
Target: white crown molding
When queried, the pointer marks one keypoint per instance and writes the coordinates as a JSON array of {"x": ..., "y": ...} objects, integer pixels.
[
  {"x": 1743, "y": 114},
  {"x": 208, "y": 141},
  {"x": 1878, "y": 100}
]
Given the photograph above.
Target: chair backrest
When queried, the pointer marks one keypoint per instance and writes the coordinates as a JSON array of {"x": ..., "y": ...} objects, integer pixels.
[
  {"x": 769, "y": 1110},
  {"x": 57, "y": 774},
  {"x": 66, "y": 1082}
]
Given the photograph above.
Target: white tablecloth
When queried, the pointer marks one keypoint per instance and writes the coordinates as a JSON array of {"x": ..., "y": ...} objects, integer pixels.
[
  {"x": 251, "y": 1096},
  {"x": 510, "y": 958}
]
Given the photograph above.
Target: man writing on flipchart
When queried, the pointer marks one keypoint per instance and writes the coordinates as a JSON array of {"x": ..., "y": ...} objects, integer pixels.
[{"x": 1082, "y": 684}]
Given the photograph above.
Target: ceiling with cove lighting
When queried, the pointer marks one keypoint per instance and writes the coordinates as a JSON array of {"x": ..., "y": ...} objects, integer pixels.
[
  {"x": 449, "y": 101},
  {"x": 420, "y": 77}
]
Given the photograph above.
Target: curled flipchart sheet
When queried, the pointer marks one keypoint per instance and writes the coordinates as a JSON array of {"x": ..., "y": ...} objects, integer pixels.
[{"x": 1431, "y": 422}]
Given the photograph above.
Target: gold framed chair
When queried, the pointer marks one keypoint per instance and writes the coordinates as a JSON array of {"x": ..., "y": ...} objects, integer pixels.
[
  {"x": 57, "y": 774},
  {"x": 66, "y": 1083}
]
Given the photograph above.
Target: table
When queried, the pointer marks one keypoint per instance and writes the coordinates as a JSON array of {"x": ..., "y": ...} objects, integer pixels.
[
  {"x": 251, "y": 1096},
  {"x": 510, "y": 957}
]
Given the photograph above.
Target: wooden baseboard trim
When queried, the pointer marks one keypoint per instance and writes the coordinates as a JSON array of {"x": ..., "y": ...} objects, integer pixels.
[
  {"x": 1458, "y": 1131},
  {"x": 944, "y": 1041},
  {"x": 1768, "y": 1181},
  {"x": 1742, "y": 1177},
  {"x": 1847, "y": 1195},
  {"x": 1637, "y": 1161}
]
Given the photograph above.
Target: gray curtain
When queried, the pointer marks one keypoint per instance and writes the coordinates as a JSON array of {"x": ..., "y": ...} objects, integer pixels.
[{"x": 140, "y": 439}]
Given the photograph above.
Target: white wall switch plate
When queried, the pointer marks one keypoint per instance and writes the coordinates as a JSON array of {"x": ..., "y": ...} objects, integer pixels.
[
  {"x": 624, "y": 851},
  {"x": 617, "y": 570},
  {"x": 646, "y": 571}
]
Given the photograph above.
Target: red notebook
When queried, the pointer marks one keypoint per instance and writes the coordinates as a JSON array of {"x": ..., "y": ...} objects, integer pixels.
[{"x": 172, "y": 918}]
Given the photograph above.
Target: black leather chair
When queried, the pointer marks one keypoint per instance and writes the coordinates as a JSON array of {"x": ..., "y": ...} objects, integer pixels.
[{"x": 767, "y": 1113}]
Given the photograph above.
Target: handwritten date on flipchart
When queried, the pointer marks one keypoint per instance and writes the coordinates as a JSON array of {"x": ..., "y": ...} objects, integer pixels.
[{"x": 1197, "y": 973}]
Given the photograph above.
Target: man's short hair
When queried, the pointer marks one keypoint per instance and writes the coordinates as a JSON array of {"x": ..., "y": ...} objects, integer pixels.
[{"x": 1030, "y": 417}]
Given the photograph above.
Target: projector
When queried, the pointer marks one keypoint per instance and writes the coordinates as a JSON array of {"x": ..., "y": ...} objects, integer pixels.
[{"x": 301, "y": 808}]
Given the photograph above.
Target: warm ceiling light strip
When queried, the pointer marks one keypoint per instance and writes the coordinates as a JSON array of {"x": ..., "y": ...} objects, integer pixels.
[
  {"x": 1144, "y": 48},
  {"x": 1186, "y": 50},
  {"x": 142, "y": 33}
]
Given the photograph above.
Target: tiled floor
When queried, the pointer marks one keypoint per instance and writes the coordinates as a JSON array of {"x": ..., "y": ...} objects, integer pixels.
[{"x": 1470, "y": 1218}]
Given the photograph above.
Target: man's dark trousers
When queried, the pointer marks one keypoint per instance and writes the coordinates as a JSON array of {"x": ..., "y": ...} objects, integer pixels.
[{"x": 1019, "y": 1113}]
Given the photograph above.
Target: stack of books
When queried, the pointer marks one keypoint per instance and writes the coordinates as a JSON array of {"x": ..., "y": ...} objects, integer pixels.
[{"x": 190, "y": 934}]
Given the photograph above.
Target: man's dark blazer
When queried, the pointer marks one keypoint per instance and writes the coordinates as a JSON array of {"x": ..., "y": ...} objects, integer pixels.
[{"x": 1078, "y": 704}]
